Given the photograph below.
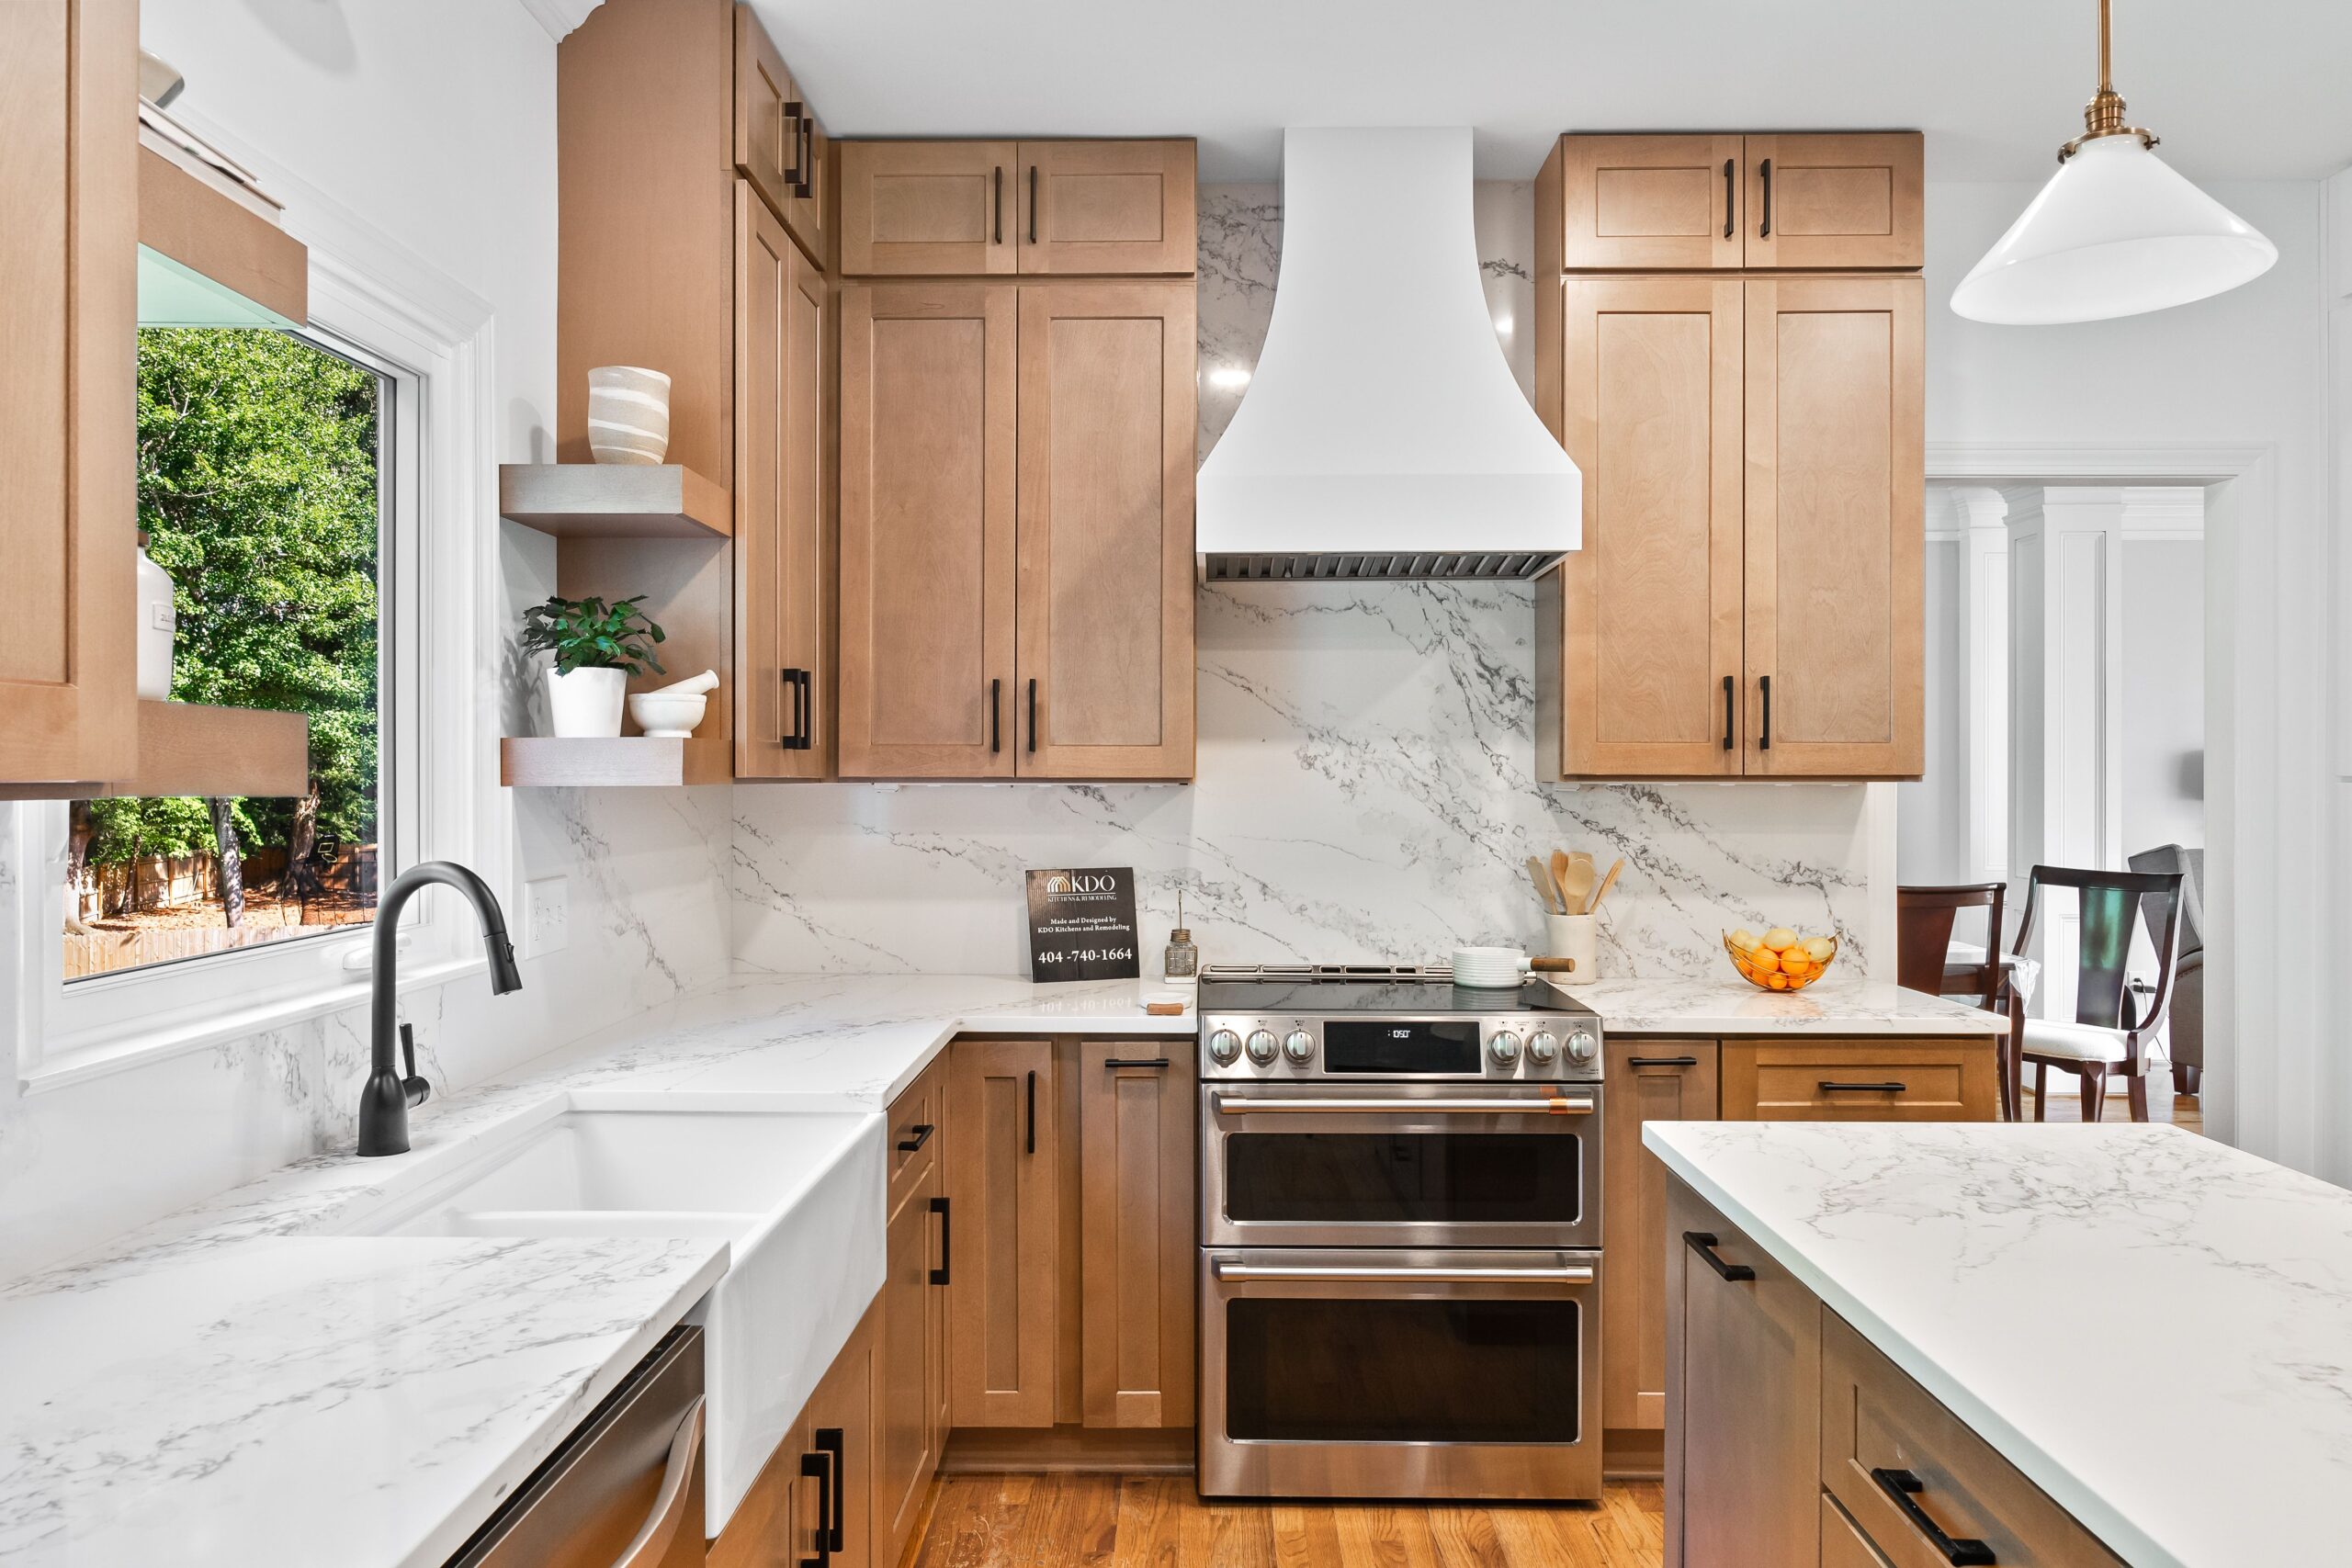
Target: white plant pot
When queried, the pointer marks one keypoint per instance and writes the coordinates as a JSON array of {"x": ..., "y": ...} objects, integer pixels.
[{"x": 586, "y": 704}]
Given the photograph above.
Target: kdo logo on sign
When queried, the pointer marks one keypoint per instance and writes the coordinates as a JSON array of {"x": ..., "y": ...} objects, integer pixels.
[{"x": 1080, "y": 882}]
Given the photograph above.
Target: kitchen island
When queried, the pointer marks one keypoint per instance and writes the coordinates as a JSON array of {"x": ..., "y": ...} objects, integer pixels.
[{"x": 2072, "y": 1344}]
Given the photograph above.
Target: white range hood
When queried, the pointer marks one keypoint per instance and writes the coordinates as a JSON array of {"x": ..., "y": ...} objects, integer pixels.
[{"x": 1383, "y": 434}]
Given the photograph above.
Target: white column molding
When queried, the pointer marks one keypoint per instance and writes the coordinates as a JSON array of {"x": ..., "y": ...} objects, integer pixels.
[{"x": 1980, "y": 514}]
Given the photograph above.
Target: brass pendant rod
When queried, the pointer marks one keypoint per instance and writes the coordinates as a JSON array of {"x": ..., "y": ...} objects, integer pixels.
[
  {"x": 2106, "y": 58},
  {"x": 2103, "y": 115}
]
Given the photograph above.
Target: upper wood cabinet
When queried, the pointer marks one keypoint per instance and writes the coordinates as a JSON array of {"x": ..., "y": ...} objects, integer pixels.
[
  {"x": 979, "y": 207},
  {"x": 68, "y": 317},
  {"x": 1136, "y": 1260},
  {"x": 779, "y": 146},
  {"x": 785, "y": 566},
  {"x": 1000, "y": 1184},
  {"x": 1060, "y": 645},
  {"x": 1692, "y": 202}
]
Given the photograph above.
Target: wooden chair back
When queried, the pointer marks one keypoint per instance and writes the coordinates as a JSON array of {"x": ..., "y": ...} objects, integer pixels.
[
  {"x": 1923, "y": 918},
  {"x": 2109, "y": 904}
]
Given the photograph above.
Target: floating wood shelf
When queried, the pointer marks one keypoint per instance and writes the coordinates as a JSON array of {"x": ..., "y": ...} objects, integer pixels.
[
  {"x": 614, "y": 501},
  {"x": 527, "y": 761}
]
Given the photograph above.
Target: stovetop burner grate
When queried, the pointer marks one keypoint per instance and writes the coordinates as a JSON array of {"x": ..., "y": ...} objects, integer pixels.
[{"x": 1330, "y": 973}]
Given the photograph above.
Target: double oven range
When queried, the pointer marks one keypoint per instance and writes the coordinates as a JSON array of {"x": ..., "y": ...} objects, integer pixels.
[{"x": 1400, "y": 1237}]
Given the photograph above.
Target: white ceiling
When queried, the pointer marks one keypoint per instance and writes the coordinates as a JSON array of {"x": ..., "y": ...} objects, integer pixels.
[{"x": 2245, "y": 88}]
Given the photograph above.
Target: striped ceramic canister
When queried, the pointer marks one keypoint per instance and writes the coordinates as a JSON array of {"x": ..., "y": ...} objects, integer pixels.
[{"x": 628, "y": 414}]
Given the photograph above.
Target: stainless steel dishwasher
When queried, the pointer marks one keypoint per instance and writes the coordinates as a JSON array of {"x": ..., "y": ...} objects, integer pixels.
[{"x": 625, "y": 1490}]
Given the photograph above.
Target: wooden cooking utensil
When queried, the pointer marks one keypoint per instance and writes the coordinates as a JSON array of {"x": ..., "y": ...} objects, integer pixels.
[
  {"x": 1607, "y": 883},
  {"x": 1574, "y": 874},
  {"x": 1547, "y": 893}
]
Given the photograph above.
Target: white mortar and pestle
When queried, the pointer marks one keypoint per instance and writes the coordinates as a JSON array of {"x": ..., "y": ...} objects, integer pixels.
[{"x": 671, "y": 713}]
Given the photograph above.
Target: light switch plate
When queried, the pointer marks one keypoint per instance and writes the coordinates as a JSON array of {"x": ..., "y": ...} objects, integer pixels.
[{"x": 547, "y": 916}]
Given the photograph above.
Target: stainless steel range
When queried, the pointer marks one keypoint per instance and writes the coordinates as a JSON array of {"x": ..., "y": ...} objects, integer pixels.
[{"x": 1400, "y": 1236}]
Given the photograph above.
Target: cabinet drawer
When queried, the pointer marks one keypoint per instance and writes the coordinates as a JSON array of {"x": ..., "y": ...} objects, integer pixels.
[
  {"x": 918, "y": 1127},
  {"x": 1860, "y": 1080},
  {"x": 1843, "y": 1544},
  {"x": 1883, "y": 1438}
]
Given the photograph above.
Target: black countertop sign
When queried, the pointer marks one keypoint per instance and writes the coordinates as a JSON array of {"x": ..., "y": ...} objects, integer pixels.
[{"x": 1082, "y": 924}]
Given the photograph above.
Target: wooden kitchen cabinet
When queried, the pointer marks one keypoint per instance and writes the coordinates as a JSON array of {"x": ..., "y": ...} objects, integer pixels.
[
  {"x": 929, "y": 386},
  {"x": 1640, "y": 660},
  {"x": 787, "y": 572},
  {"x": 1003, "y": 1322},
  {"x": 1137, "y": 1112},
  {"x": 1800, "y": 1078},
  {"x": 950, "y": 209},
  {"x": 1742, "y": 1396},
  {"x": 1836, "y": 420},
  {"x": 836, "y": 1428},
  {"x": 1673, "y": 203},
  {"x": 1016, "y": 539},
  {"x": 910, "y": 1355},
  {"x": 1648, "y": 1080},
  {"x": 69, "y": 249},
  {"x": 1108, "y": 208},
  {"x": 1105, "y": 644},
  {"x": 780, "y": 149}
]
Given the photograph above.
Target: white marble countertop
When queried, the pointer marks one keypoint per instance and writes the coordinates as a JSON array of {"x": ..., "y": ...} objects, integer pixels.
[
  {"x": 2214, "y": 1289},
  {"x": 234, "y": 1385},
  {"x": 1834, "y": 1005}
]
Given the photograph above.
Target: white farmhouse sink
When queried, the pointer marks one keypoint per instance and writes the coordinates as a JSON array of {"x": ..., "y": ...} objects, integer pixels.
[{"x": 798, "y": 1196}]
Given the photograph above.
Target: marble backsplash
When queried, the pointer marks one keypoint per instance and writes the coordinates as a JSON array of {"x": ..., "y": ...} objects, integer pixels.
[{"x": 1365, "y": 788}]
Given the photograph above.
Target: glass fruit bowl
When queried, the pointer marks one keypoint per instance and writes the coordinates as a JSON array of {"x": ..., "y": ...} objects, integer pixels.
[{"x": 1779, "y": 959}]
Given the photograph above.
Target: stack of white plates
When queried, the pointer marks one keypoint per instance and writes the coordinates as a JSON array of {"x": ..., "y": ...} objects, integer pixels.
[{"x": 1489, "y": 968}]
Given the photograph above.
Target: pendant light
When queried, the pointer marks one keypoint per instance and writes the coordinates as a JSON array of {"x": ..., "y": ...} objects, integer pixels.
[{"x": 2115, "y": 233}]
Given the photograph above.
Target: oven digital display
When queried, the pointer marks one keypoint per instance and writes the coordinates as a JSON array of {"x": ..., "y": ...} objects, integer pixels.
[{"x": 1391, "y": 1045}]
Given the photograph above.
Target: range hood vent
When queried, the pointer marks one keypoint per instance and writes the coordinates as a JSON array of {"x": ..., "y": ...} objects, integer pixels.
[{"x": 1383, "y": 436}]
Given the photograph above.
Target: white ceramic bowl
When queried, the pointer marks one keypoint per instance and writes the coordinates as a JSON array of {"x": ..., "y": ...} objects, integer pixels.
[{"x": 667, "y": 716}]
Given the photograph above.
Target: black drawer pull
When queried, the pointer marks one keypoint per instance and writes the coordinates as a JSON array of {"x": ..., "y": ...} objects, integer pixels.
[
  {"x": 1764, "y": 686},
  {"x": 819, "y": 1466},
  {"x": 997, "y": 237},
  {"x": 1661, "y": 1061},
  {"x": 1033, "y": 713},
  {"x": 833, "y": 1442},
  {"x": 1033, "y": 1110},
  {"x": 996, "y": 716},
  {"x": 1727, "y": 199},
  {"x": 1830, "y": 1086},
  {"x": 1704, "y": 1244},
  {"x": 1032, "y": 204},
  {"x": 946, "y": 1243},
  {"x": 1764, "y": 231},
  {"x": 1116, "y": 1062},
  {"x": 1966, "y": 1552},
  {"x": 918, "y": 1136},
  {"x": 1731, "y": 697}
]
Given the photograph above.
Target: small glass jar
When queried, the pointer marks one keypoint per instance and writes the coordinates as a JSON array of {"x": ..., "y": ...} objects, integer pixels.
[{"x": 1182, "y": 962}]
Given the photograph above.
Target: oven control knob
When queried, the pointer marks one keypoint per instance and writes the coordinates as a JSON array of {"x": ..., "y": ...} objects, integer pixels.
[
  {"x": 1299, "y": 1046},
  {"x": 1582, "y": 1046},
  {"x": 1263, "y": 1046},
  {"x": 1542, "y": 1046},
  {"x": 1224, "y": 1046},
  {"x": 1503, "y": 1046}
]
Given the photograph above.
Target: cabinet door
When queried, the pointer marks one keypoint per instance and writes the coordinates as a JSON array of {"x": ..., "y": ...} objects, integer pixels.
[
  {"x": 838, "y": 1425},
  {"x": 928, "y": 208},
  {"x": 1836, "y": 488},
  {"x": 1835, "y": 201},
  {"x": 1136, "y": 1250},
  {"x": 1649, "y": 609},
  {"x": 927, "y": 457},
  {"x": 1107, "y": 206},
  {"x": 1107, "y": 422},
  {"x": 769, "y": 133},
  {"x": 1000, "y": 1187},
  {"x": 1649, "y": 1080},
  {"x": 69, "y": 184},
  {"x": 1652, "y": 203},
  {"x": 905, "y": 1438},
  {"x": 1743, "y": 1453},
  {"x": 785, "y": 574}
]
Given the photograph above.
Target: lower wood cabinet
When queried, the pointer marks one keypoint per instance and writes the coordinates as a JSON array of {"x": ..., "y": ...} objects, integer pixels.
[
  {"x": 815, "y": 1496},
  {"x": 911, "y": 1341},
  {"x": 1645, "y": 1080},
  {"x": 1001, "y": 1189},
  {"x": 1137, "y": 1108},
  {"x": 1800, "y": 1078}
]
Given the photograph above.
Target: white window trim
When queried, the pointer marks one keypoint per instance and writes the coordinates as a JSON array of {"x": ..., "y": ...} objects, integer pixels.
[{"x": 436, "y": 339}]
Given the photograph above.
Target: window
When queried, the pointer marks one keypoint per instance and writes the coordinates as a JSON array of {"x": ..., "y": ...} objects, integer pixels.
[{"x": 262, "y": 489}]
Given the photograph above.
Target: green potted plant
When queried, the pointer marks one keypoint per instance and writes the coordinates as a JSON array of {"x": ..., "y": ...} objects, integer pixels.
[{"x": 597, "y": 647}]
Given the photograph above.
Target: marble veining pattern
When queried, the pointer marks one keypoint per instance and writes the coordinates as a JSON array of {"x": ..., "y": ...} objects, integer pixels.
[
  {"x": 1837, "y": 1006},
  {"x": 2208, "y": 1294}
]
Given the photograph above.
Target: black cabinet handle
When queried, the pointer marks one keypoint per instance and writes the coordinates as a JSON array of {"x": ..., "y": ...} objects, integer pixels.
[
  {"x": 1901, "y": 1485},
  {"x": 1704, "y": 1244},
  {"x": 1661, "y": 1061},
  {"x": 1117, "y": 1062},
  {"x": 996, "y": 716},
  {"x": 795, "y": 121},
  {"x": 1032, "y": 204},
  {"x": 830, "y": 1439},
  {"x": 947, "y": 1242},
  {"x": 1764, "y": 230},
  {"x": 1731, "y": 699},
  {"x": 920, "y": 1134},
  {"x": 1729, "y": 199},
  {"x": 819, "y": 1466},
  {"x": 996, "y": 236},
  {"x": 1829, "y": 1085},
  {"x": 1764, "y": 685},
  {"x": 1032, "y": 713},
  {"x": 1033, "y": 1110},
  {"x": 803, "y": 714}
]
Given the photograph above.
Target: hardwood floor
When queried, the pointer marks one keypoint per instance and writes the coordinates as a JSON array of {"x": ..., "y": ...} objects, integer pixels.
[
  {"x": 2184, "y": 1111},
  {"x": 1113, "y": 1521}
]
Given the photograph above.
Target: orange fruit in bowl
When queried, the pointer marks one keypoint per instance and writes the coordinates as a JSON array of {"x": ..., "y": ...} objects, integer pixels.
[{"x": 1781, "y": 960}]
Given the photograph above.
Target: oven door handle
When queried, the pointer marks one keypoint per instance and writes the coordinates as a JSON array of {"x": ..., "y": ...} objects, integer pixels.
[
  {"x": 1555, "y": 1105},
  {"x": 1568, "y": 1274}
]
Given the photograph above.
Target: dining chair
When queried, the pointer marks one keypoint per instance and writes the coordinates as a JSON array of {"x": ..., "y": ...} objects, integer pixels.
[
  {"x": 2109, "y": 1033},
  {"x": 1923, "y": 922},
  {"x": 2185, "y": 1024}
]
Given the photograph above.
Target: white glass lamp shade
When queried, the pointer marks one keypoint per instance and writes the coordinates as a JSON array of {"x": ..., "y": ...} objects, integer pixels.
[{"x": 2116, "y": 233}]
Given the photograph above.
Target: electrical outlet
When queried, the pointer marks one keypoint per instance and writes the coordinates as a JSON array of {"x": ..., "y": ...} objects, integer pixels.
[{"x": 547, "y": 916}]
